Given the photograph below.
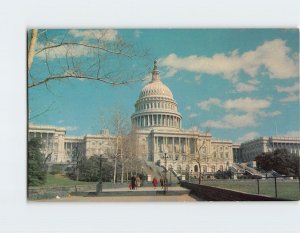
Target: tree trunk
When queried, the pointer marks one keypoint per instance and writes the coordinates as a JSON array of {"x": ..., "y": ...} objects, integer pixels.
[
  {"x": 199, "y": 174},
  {"x": 115, "y": 170},
  {"x": 122, "y": 173},
  {"x": 31, "y": 48}
]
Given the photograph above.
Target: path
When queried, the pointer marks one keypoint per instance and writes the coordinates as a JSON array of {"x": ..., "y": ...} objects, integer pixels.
[{"x": 143, "y": 194}]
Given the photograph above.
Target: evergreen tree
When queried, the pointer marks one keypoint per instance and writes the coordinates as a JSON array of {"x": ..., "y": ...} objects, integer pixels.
[
  {"x": 36, "y": 168},
  {"x": 280, "y": 161}
]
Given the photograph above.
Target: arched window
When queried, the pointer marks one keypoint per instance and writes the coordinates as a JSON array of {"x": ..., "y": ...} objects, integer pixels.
[
  {"x": 221, "y": 168},
  {"x": 213, "y": 168},
  {"x": 196, "y": 168}
]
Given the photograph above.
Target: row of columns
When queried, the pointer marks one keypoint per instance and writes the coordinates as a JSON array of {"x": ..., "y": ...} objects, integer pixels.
[
  {"x": 156, "y": 105},
  {"x": 184, "y": 145},
  {"x": 157, "y": 120}
]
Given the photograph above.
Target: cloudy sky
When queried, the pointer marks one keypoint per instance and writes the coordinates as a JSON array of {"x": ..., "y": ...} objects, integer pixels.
[{"x": 239, "y": 83}]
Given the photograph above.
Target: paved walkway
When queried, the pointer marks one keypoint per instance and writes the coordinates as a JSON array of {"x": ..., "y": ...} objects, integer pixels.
[{"x": 143, "y": 194}]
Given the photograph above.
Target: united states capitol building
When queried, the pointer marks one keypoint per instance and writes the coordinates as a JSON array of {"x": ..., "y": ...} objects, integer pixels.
[{"x": 157, "y": 124}]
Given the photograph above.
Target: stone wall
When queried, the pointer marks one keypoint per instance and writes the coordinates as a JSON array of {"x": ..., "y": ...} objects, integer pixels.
[{"x": 217, "y": 194}]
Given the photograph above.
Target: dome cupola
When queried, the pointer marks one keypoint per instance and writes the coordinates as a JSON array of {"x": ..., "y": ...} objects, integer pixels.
[{"x": 156, "y": 106}]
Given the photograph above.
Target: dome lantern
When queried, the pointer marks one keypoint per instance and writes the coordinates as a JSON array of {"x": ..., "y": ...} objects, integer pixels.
[{"x": 155, "y": 72}]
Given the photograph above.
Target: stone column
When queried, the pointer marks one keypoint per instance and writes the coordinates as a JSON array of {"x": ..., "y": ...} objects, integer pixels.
[{"x": 173, "y": 147}]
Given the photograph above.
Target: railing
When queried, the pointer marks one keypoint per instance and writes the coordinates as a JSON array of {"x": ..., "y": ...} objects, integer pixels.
[{"x": 285, "y": 187}]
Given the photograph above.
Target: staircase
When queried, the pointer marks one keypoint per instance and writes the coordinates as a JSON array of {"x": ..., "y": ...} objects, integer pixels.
[
  {"x": 159, "y": 171},
  {"x": 251, "y": 170}
]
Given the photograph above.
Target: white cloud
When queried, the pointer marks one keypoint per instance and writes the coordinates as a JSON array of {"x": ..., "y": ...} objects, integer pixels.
[
  {"x": 248, "y": 136},
  {"x": 193, "y": 115},
  {"x": 288, "y": 89},
  {"x": 272, "y": 55},
  {"x": 188, "y": 108},
  {"x": 295, "y": 134},
  {"x": 103, "y": 34},
  {"x": 63, "y": 51},
  {"x": 170, "y": 73},
  {"x": 71, "y": 128},
  {"x": 269, "y": 114},
  {"x": 137, "y": 33},
  {"x": 205, "y": 105},
  {"x": 245, "y": 87},
  {"x": 290, "y": 98},
  {"x": 252, "y": 109},
  {"x": 232, "y": 121},
  {"x": 246, "y": 104},
  {"x": 291, "y": 91}
]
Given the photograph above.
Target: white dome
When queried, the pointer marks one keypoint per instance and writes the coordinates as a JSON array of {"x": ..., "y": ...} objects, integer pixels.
[
  {"x": 156, "y": 106},
  {"x": 156, "y": 88}
]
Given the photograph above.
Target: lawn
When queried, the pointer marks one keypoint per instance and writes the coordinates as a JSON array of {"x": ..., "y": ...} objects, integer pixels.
[
  {"x": 60, "y": 180},
  {"x": 285, "y": 189}
]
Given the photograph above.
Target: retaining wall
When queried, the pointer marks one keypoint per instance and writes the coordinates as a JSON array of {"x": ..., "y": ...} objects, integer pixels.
[{"x": 217, "y": 194}]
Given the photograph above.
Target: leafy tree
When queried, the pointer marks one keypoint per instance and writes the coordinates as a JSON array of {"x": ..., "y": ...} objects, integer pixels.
[
  {"x": 89, "y": 170},
  {"x": 223, "y": 174},
  {"x": 36, "y": 165},
  {"x": 280, "y": 161}
]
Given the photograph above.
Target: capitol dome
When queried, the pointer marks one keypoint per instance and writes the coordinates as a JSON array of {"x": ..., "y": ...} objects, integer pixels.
[
  {"x": 156, "y": 88},
  {"x": 156, "y": 106}
]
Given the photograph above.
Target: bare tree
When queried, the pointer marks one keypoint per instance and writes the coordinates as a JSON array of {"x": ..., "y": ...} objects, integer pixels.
[
  {"x": 120, "y": 129},
  {"x": 201, "y": 151},
  {"x": 81, "y": 54},
  {"x": 132, "y": 158}
]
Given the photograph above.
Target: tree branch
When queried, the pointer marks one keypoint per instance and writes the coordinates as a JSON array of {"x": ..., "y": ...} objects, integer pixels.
[
  {"x": 75, "y": 76},
  {"x": 85, "y": 45}
]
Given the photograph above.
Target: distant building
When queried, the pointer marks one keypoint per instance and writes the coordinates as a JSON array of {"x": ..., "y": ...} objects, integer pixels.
[
  {"x": 61, "y": 147},
  {"x": 250, "y": 149}
]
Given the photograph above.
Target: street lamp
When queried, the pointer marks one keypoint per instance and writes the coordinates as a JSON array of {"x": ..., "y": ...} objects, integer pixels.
[
  {"x": 99, "y": 185},
  {"x": 165, "y": 175}
]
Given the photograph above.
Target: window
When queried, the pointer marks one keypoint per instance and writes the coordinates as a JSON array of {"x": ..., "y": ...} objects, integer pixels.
[
  {"x": 213, "y": 169},
  {"x": 221, "y": 168},
  {"x": 195, "y": 168}
]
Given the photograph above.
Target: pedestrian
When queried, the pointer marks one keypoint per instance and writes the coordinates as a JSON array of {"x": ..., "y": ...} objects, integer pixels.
[
  {"x": 154, "y": 182},
  {"x": 161, "y": 180},
  {"x": 133, "y": 183},
  {"x": 138, "y": 181}
]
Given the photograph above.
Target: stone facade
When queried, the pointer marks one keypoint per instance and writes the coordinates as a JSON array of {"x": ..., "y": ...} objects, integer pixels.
[
  {"x": 157, "y": 123},
  {"x": 61, "y": 147},
  {"x": 249, "y": 150}
]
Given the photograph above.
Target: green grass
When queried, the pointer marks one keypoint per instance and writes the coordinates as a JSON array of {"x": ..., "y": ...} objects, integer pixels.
[
  {"x": 285, "y": 189},
  {"x": 60, "y": 180}
]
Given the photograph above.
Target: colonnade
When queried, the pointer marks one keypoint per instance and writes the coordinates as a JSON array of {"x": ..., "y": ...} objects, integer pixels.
[{"x": 157, "y": 120}]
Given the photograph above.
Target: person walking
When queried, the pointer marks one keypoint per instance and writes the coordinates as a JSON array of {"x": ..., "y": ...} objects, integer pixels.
[
  {"x": 161, "y": 180},
  {"x": 154, "y": 182},
  {"x": 133, "y": 180},
  {"x": 138, "y": 181}
]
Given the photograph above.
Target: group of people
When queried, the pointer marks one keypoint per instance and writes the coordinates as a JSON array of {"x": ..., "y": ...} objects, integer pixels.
[
  {"x": 161, "y": 180},
  {"x": 135, "y": 182}
]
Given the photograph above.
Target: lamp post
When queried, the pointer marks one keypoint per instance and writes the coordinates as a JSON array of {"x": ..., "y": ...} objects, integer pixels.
[
  {"x": 99, "y": 185},
  {"x": 165, "y": 175}
]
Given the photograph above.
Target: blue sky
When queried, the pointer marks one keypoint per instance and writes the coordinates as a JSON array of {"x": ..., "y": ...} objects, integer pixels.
[{"x": 239, "y": 83}]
